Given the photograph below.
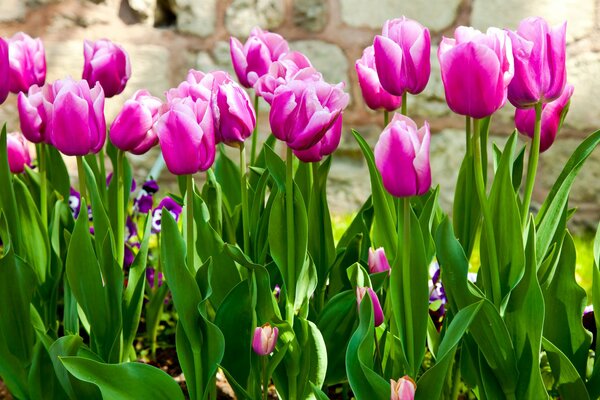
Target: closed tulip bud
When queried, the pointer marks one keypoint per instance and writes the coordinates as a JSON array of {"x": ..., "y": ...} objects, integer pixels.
[
  {"x": 197, "y": 86},
  {"x": 374, "y": 94},
  {"x": 18, "y": 153},
  {"x": 34, "y": 109},
  {"x": 404, "y": 389},
  {"x": 303, "y": 111},
  {"x": 402, "y": 56},
  {"x": 402, "y": 157},
  {"x": 378, "y": 262},
  {"x": 186, "y": 134},
  {"x": 252, "y": 59},
  {"x": 377, "y": 311},
  {"x": 327, "y": 145},
  {"x": 553, "y": 114},
  {"x": 476, "y": 70},
  {"x": 540, "y": 62},
  {"x": 107, "y": 63},
  {"x": 27, "y": 62},
  {"x": 4, "y": 71},
  {"x": 76, "y": 124},
  {"x": 265, "y": 339},
  {"x": 132, "y": 130}
]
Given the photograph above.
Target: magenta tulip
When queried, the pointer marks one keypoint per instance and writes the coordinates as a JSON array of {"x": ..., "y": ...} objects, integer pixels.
[
  {"x": 132, "y": 130},
  {"x": 27, "y": 62},
  {"x": 18, "y": 152},
  {"x": 4, "y": 71},
  {"x": 76, "y": 124},
  {"x": 378, "y": 262},
  {"x": 33, "y": 115},
  {"x": 377, "y": 311},
  {"x": 324, "y": 147},
  {"x": 540, "y": 70},
  {"x": 303, "y": 111},
  {"x": 402, "y": 56},
  {"x": 187, "y": 137},
  {"x": 404, "y": 389},
  {"x": 107, "y": 63},
  {"x": 476, "y": 70},
  {"x": 402, "y": 157},
  {"x": 197, "y": 86},
  {"x": 552, "y": 116},
  {"x": 375, "y": 95},
  {"x": 265, "y": 339},
  {"x": 252, "y": 59}
]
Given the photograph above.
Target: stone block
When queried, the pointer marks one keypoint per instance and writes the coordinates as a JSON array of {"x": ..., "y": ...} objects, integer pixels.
[{"x": 243, "y": 15}]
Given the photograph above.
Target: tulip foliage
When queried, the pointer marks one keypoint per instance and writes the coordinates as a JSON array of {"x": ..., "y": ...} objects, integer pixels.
[{"x": 238, "y": 269}]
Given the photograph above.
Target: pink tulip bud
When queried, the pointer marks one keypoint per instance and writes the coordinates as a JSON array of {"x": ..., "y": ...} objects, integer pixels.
[
  {"x": 265, "y": 339},
  {"x": 404, "y": 389},
  {"x": 27, "y": 62},
  {"x": 377, "y": 311},
  {"x": 327, "y": 145},
  {"x": 378, "y": 262},
  {"x": 4, "y": 71},
  {"x": 476, "y": 70},
  {"x": 374, "y": 94},
  {"x": 132, "y": 130},
  {"x": 75, "y": 113},
  {"x": 18, "y": 152},
  {"x": 402, "y": 55},
  {"x": 32, "y": 112},
  {"x": 553, "y": 114},
  {"x": 252, "y": 60},
  {"x": 107, "y": 63},
  {"x": 402, "y": 157},
  {"x": 303, "y": 111},
  {"x": 540, "y": 70}
]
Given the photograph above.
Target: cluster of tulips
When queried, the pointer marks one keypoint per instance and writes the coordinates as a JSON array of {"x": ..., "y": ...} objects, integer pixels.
[{"x": 395, "y": 309}]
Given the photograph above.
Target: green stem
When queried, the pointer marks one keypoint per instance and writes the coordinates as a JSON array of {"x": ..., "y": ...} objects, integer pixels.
[
  {"x": 120, "y": 208},
  {"x": 534, "y": 155},
  {"x": 102, "y": 169},
  {"x": 265, "y": 378},
  {"x": 386, "y": 118},
  {"x": 197, "y": 357},
  {"x": 43, "y": 184},
  {"x": 404, "y": 105},
  {"x": 493, "y": 272},
  {"x": 456, "y": 383},
  {"x": 468, "y": 133},
  {"x": 405, "y": 224},
  {"x": 289, "y": 208},
  {"x": 81, "y": 174},
  {"x": 244, "y": 191},
  {"x": 254, "y": 133},
  {"x": 189, "y": 203}
]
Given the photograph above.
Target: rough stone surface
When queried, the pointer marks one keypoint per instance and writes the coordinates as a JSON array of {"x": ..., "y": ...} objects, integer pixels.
[
  {"x": 243, "y": 15},
  {"x": 195, "y": 16},
  {"x": 372, "y": 14},
  {"x": 580, "y": 14},
  {"x": 219, "y": 58},
  {"x": 310, "y": 14},
  {"x": 328, "y": 58},
  {"x": 11, "y": 10},
  {"x": 143, "y": 8},
  {"x": 585, "y": 107}
]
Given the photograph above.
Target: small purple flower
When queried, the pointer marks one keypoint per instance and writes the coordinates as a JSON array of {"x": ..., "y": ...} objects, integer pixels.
[
  {"x": 145, "y": 199},
  {"x": 129, "y": 256},
  {"x": 277, "y": 292},
  {"x": 74, "y": 202},
  {"x": 437, "y": 296},
  {"x": 109, "y": 179},
  {"x": 155, "y": 278},
  {"x": 131, "y": 231},
  {"x": 171, "y": 206},
  {"x": 589, "y": 323}
]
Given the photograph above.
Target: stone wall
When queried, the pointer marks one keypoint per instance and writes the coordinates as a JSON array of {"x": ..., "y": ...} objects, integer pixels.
[{"x": 167, "y": 37}]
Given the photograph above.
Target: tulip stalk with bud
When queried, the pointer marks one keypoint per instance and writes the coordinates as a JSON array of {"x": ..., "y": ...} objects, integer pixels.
[{"x": 263, "y": 344}]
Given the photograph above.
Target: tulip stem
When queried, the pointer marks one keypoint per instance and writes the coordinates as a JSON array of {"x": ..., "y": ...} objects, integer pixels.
[
  {"x": 493, "y": 273},
  {"x": 265, "y": 378},
  {"x": 386, "y": 118},
  {"x": 81, "y": 175},
  {"x": 244, "y": 192},
  {"x": 254, "y": 133},
  {"x": 120, "y": 208},
  {"x": 405, "y": 224},
  {"x": 43, "y": 183},
  {"x": 534, "y": 155},
  {"x": 289, "y": 208},
  {"x": 468, "y": 133},
  {"x": 102, "y": 167},
  {"x": 189, "y": 203},
  {"x": 404, "y": 105}
]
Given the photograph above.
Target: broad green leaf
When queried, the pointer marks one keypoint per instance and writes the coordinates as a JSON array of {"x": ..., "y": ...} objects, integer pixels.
[
  {"x": 568, "y": 381},
  {"x": 43, "y": 383},
  {"x": 313, "y": 360},
  {"x": 360, "y": 225},
  {"x": 466, "y": 209},
  {"x": 227, "y": 173},
  {"x": 213, "y": 196},
  {"x": 8, "y": 202},
  {"x": 276, "y": 167},
  {"x": 57, "y": 172},
  {"x": 318, "y": 393}
]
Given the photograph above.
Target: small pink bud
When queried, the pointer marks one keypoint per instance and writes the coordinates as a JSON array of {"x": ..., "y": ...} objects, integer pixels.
[
  {"x": 265, "y": 339},
  {"x": 378, "y": 262},
  {"x": 377, "y": 311},
  {"x": 404, "y": 389}
]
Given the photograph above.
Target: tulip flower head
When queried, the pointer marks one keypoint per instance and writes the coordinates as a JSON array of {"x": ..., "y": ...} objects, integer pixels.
[
  {"x": 402, "y": 157},
  {"x": 253, "y": 59},
  {"x": 372, "y": 91},
  {"x": 133, "y": 129},
  {"x": 18, "y": 152},
  {"x": 402, "y": 56},
  {"x": 404, "y": 389},
  {"x": 377, "y": 311},
  {"x": 197, "y": 86},
  {"x": 265, "y": 339},
  {"x": 540, "y": 62},
  {"x": 553, "y": 114},
  {"x": 327, "y": 145},
  {"x": 107, "y": 63},
  {"x": 476, "y": 70},
  {"x": 4, "y": 71},
  {"x": 34, "y": 112},
  {"x": 378, "y": 262},
  {"x": 27, "y": 62}
]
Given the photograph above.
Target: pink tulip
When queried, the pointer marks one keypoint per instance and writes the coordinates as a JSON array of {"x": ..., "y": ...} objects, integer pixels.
[
  {"x": 552, "y": 115},
  {"x": 374, "y": 94},
  {"x": 18, "y": 152},
  {"x": 265, "y": 339},
  {"x": 378, "y": 262},
  {"x": 107, "y": 63},
  {"x": 197, "y": 85},
  {"x": 27, "y": 62},
  {"x": 187, "y": 137},
  {"x": 324, "y": 147},
  {"x": 252, "y": 59},
  {"x": 404, "y": 389},
  {"x": 540, "y": 71},
  {"x": 75, "y": 117},
  {"x": 476, "y": 70},
  {"x": 402, "y": 56},
  {"x": 402, "y": 157},
  {"x": 4, "y": 71},
  {"x": 32, "y": 112},
  {"x": 132, "y": 130},
  {"x": 303, "y": 111},
  {"x": 377, "y": 311}
]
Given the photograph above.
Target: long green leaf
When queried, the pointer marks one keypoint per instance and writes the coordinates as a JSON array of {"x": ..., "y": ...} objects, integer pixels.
[{"x": 568, "y": 381}]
